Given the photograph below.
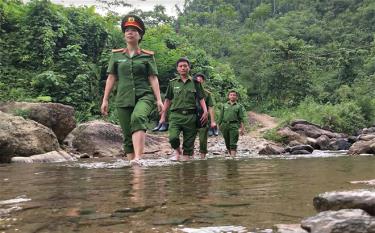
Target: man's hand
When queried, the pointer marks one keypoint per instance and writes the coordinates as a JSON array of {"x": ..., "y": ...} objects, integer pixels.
[
  {"x": 104, "y": 108},
  {"x": 242, "y": 131},
  {"x": 160, "y": 106},
  {"x": 204, "y": 117}
]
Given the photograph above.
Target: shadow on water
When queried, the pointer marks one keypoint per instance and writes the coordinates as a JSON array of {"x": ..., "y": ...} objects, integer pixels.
[{"x": 229, "y": 195}]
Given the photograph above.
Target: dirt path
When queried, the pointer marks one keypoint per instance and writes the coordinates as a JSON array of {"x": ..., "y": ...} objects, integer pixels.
[{"x": 261, "y": 122}]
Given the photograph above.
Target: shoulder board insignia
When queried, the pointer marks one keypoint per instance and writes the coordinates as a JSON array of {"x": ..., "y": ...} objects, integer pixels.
[
  {"x": 117, "y": 50},
  {"x": 173, "y": 79},
  {"x": 207, "y": 91},
  {"x": 147, "y": 52}
]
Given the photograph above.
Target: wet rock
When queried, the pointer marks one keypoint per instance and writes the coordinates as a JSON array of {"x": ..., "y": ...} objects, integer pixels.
[
  {"x": 171, "y": 221},
  {"x": 352, "y": 139},
  {"x": 322, "y": 141},
  {"x": 366, "y": 137},
  {"x": 58, "y": 117},
  {"x": 289, "y": 228},
  {"x": 301, "y": 148},
  {"x": 50, "y": 157},
  {"x": 271, "y": 149},
  {"x": 356, "y": 199},
  {"x": 313, "y": 131},
  {"x": 300, "y": 152},
  {"x": 230, "y": 204},
  {"x": 312, "y": 142},
  {"x": 370, "y": 130},
  {"x": 20, "y": 137},
  {"x": 286, "y": 132},
  {"x": 362, "y": 147},
  {"x": 342, "y": 221},
  {"x": 84, "y": 156},
  {"x": 133, "y": 209},
  {"x": 339, "y": 144}
]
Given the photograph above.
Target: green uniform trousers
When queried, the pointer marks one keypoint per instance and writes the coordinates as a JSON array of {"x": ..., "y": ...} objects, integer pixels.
[
  {"x": 133, "y": 119},
  {"x": 203, "y": 137},
  {"x": 230, "y": 134},
  {"x": 186, "y": 124}
]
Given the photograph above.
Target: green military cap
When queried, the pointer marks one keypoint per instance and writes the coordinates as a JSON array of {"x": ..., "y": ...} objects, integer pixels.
[
  {"x": 199, "y": 74},
  {"x": 133, "y": 21}
]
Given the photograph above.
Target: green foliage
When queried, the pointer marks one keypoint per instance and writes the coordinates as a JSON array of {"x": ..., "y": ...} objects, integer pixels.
[
  {"x": 25, "y": 113},
  {"x": 272, "y": 135},
  {"x": 347, "y": 117},
  {"x": 312, "y": 60}
]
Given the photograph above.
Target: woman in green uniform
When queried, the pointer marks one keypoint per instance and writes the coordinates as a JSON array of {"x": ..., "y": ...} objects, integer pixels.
[{"x": 135, "y": 72}]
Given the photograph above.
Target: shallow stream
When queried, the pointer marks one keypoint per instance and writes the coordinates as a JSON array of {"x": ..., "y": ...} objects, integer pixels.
[{"x": 215, "y": 195}]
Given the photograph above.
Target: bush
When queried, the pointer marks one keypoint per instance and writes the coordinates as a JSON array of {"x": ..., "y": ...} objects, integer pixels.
[{"x": 346, "y": 117}]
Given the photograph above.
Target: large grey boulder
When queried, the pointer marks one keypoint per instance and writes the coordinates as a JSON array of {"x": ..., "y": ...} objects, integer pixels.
[
  {"x": 103, "y": 139},
  {"x": 303, "y": 132},
  {"x": 290, "y": 135},
  {"x": 342, "y": 221},
  {"x": 58, "y": 117},
  {"x": 355, "y": 199},
  {"x": 271, "y": 149},
  {"x": 313, "y": 131},
  {"x": 97, "y": 139},
  {"x": 362, "y": 147},
  {"x": 20, "y": 137}
]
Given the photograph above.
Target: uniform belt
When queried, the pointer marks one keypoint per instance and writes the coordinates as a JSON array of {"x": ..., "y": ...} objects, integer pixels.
[
  {"x": 230, "y": 121},
  {"x": 185, "y": 111}
]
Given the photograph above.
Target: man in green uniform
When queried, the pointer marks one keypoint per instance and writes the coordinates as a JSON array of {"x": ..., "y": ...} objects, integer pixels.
[
  {"x": 203, "y": 132},
  {"x": 134, "y": 70},
  {"x": 231, "y": 122},
  {"x": 180, "y": 97}
]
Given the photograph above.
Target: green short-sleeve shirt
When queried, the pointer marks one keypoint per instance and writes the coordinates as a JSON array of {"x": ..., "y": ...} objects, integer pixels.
[
  {"x": 132, "y": 75},
  {"x": 183, "y": 94},
  {"x": 209, "y": 100},
  {"x": 232, "y": 113}
]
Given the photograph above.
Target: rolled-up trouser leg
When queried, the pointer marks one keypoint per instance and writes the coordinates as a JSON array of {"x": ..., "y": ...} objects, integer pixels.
[
  {"x": 124, "y": 115},
  {"x": 133, "y": 119},
  {"x": 233, "y": 138},
  {"x": 139, "y": 117},
  {"x": 224, "y": 128},
  {"x": 189, "y": 132},
  {"x": 174, "y": 133},
  {"x": 187, "y": 124}
]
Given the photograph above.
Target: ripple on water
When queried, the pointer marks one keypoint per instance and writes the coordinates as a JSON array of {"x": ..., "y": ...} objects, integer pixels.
[{"x": 120, "y": 163}]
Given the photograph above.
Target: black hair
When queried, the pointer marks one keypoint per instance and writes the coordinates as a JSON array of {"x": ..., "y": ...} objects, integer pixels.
[{"x": 183, "y": 59}]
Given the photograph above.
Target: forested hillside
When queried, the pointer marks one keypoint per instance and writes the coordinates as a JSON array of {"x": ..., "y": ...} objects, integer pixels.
[{"x": 293, "y": 58}]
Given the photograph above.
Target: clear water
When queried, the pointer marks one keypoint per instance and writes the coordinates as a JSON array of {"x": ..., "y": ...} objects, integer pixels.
[{"x": 214, "y": 195}]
